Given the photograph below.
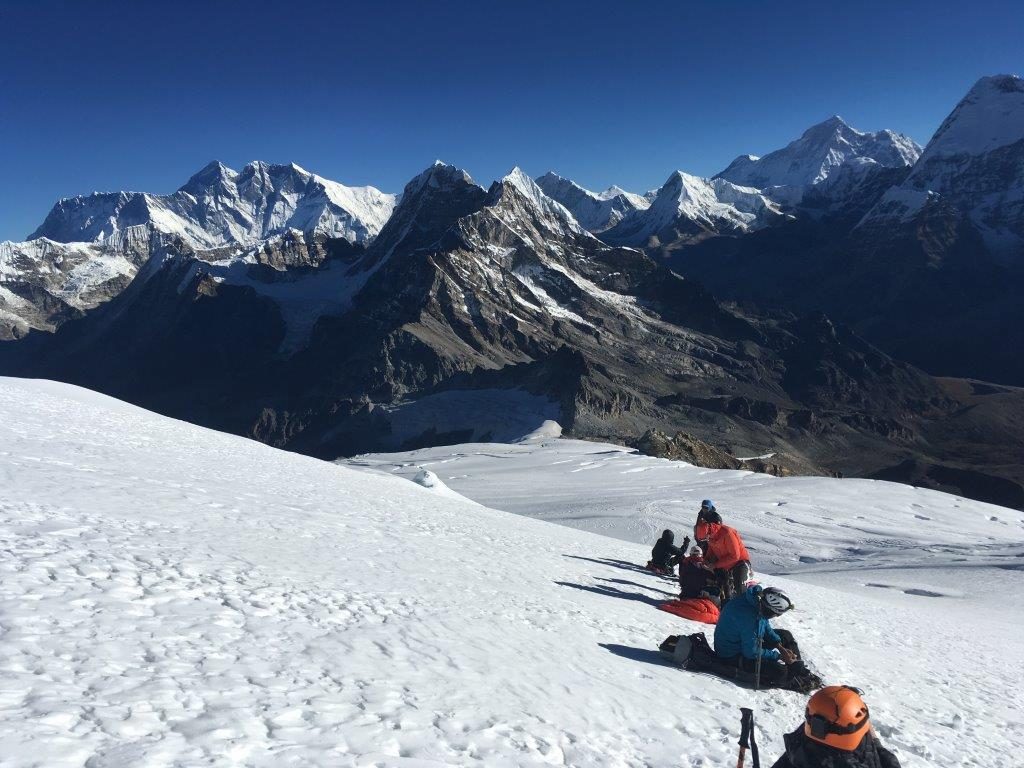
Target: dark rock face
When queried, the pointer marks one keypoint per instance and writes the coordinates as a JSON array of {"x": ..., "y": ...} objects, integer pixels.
[{"x": 684, "y": 447}]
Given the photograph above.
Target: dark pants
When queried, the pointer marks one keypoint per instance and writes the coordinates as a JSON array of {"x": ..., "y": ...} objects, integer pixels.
[
  {"x": 731, "y": 581},
  {"x": 775, "y": 673}
]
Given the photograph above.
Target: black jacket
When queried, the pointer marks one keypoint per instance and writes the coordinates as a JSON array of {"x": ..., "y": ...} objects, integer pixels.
[
  {"x": 693, "y": 579},
  {"x": 665, "y": 553},
  {"x": 802, "y": 752}
]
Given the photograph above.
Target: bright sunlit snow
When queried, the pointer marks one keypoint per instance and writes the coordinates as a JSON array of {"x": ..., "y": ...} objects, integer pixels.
[{"x": 171, "y": 596}]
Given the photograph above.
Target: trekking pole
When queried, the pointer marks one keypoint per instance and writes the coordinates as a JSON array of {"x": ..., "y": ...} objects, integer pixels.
[
  {"x": 746, "y": 726},
  {"x": 757, "y": 663},
  {"x": 753, "y": 744}
]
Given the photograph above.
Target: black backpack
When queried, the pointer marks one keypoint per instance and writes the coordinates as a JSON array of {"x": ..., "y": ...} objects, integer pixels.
[{"x": 687, "y": 651}]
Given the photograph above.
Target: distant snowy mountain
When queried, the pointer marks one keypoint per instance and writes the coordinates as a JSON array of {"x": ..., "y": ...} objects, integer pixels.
[
  {"x": 974, "y": 164},
  {"x": 90, "y": 247},
  {"x": 595, "y": 211},
  {"x": 689, "y": 207},
  {"x": 926, "y": 261},
  {"x": 44, "y": 283},
  {"x": 219, "y": 207},
  {"x": 818, "y": 153},
  {"x": 475, "y": 310}
]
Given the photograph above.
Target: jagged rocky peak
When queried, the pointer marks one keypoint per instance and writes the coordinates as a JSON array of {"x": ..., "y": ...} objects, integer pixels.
[
  {"x": 595, "y": 211},
  {"x": 218, "y": 207},
  {"x": 688, "y": 207},
  {"x": 517, "y": 186},
  {"x": 213, "y": 174},
  {"x": 821, "y": 149},
  {"x": 429, "y": 205}
]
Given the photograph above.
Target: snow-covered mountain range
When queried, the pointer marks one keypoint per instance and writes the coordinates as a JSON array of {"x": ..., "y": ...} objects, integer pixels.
[
  {"x": 90, "y": 247},
  {"x": 689, "y": 208},
  {"x": 277, "y": 304},
  {"x": 219, "y": 206},
  {"x": 596, "y": 211}
]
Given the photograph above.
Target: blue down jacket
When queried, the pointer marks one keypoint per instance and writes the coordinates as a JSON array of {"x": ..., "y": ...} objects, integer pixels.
[{"x": 740, "y": 625}]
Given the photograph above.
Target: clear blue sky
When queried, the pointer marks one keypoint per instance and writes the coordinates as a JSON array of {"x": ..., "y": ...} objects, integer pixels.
[{"x": 106, "y": 95}]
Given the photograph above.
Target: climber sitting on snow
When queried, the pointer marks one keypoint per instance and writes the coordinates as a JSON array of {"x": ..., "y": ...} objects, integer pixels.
[
  {"x": 665, "y": 554},
  {"x": 725, "y": 554},
  {"x": 696, "y": 579},
  {"x": 744, "y": 630}
]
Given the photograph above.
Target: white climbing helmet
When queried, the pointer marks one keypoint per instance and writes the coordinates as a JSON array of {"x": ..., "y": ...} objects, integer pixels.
[{"x": 774, "y": 602}]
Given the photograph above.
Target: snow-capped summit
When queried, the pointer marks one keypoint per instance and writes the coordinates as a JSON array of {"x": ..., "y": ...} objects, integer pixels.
[
  {"x": 689, "y": 206},
  {"x": 821, "y": 149},
  {"x": 594, "y": 211},
  {"x": 545, "y": 206},
  {"x": 989, "y": 117},
  {"x": 974, "y": 164},
  {"x": 219, "y": 206}
]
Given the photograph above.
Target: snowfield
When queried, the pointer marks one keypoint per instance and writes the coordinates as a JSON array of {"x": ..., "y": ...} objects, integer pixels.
[{"x": 172, "y": 596}]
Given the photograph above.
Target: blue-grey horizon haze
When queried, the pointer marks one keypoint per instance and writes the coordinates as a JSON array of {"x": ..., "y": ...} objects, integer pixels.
[{"x": 139, "y": 95}]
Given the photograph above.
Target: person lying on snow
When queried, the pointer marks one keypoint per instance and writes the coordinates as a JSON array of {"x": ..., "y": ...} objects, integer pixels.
[
  {"x": 744, "y": 629},
  {"x": 726, "y": 555},
  {"x": 665, "y": 554},
  {"x": 696, "y": 579},
  {"x": 836, "y": 733}
]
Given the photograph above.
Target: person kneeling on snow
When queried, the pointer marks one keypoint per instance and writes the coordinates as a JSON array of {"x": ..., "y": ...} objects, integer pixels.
[
  {"x": 726, "y": 555},
  {"x": 695, "y": 579},
  {"x": 665, "y": 554},
  {"x": 836, "y": 733},
  {"x": 743, "y": 630}
]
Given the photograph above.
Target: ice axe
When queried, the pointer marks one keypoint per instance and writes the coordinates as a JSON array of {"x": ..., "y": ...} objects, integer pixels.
[{"x": 747, "y": 740}]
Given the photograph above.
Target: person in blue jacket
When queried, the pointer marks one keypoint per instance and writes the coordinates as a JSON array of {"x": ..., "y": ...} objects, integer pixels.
[{"x": 744, "y": 621}]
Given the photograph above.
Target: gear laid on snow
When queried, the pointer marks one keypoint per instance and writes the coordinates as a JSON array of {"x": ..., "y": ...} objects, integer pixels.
[{"x": 695, "y": 609}]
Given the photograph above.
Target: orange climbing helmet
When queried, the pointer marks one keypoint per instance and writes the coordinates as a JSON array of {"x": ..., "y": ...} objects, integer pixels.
[{"x": 837, "y": 716}]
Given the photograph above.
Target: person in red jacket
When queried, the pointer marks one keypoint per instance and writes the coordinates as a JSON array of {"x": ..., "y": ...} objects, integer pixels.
[{"x": 726, "y": 555}]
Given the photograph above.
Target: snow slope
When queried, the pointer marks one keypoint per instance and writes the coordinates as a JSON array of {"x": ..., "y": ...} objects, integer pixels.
[{"x": 172, "y": 596}]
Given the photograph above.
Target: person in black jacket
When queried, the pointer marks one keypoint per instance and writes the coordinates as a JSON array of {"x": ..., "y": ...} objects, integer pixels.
[
  {"x": 836, "y": 734},
  {"x": 665, "y": 554},
  {"x": 695, "y": 578}
]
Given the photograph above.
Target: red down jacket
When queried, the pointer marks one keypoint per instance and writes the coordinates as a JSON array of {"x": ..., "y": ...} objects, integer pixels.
[{"x": 725, "y": 547}]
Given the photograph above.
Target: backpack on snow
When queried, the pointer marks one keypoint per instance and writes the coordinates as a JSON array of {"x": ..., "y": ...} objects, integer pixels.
[{"x": 684, "y": 650}]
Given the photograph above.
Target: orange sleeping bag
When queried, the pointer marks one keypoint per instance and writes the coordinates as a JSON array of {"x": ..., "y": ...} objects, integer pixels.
[{"x": 694, "y": 609}]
